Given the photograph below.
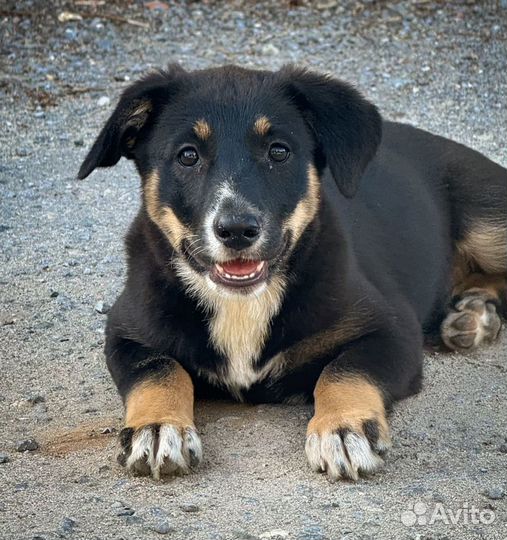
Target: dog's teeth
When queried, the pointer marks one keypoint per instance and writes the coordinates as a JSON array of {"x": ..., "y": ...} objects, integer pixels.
[{"x": 220, "y": 269}]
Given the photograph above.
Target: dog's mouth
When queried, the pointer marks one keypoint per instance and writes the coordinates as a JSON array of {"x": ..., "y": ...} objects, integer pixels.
[{"x": 239, "y": 273}]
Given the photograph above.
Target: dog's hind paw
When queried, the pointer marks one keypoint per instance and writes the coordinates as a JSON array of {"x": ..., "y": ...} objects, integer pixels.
[
  {"x": 160, "y": 450},
  {"x": 473, "y": 321}
]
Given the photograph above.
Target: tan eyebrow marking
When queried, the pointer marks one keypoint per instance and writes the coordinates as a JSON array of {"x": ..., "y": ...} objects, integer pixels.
[
  {"x": 202, "y": 129},
  {"x": 262, "y": 125}
]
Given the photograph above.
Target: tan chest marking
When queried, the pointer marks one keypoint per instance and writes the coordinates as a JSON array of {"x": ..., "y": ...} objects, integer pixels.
[
  {"x": 239, "y": 328},
  {"x": 238, "y": 325}
]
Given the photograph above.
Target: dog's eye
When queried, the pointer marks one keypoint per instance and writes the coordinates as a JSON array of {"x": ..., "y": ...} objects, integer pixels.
[
  {"x": 278, "y": 152},
  {"x": 188, "y": 157}
]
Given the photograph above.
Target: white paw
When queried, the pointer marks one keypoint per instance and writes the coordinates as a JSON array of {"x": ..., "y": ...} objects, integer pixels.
[
  {"x": 160, "y": 450},
  {"x": 345, "y": 453}
]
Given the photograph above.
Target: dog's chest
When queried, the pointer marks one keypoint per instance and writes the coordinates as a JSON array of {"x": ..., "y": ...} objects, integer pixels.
[{"x": 238, "y": 330}]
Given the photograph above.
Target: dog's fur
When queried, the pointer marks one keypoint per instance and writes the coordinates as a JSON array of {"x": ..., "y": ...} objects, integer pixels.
[{"x": 375, "y": 233}]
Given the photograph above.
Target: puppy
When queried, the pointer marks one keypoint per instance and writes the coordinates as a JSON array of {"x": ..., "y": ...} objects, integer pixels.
[{"x": 291, "y": 243}]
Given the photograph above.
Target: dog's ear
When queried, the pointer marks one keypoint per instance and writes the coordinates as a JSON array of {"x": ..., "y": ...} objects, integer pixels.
[
  {"x": 134, "y": 115},
  {"x": 347, "y": 128}
]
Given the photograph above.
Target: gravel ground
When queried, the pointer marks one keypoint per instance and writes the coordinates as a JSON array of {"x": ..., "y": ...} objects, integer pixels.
[{"x": 442, "y": 66}]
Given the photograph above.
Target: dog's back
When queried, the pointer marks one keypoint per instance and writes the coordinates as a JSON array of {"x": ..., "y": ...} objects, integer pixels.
[{"x": 426, "y": 204}]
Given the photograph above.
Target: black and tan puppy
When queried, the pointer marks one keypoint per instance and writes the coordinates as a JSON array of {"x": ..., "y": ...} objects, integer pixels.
[{"x": 291, "y": 243}]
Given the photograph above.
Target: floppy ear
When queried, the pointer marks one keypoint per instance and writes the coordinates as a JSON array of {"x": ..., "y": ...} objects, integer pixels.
[
  {"x": 135, "y": 113},
  {"x": 346, "y": 127}
]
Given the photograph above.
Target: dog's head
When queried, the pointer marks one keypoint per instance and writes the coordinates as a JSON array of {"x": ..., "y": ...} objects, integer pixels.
[{"x": 231, "y": 159}]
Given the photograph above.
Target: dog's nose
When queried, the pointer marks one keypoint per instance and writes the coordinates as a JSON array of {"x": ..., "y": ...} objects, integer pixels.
[{"x": 237, "y": 231}]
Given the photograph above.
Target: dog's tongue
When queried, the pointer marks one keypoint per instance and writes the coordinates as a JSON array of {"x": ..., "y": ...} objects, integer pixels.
[{"x": 239, "y": 267}]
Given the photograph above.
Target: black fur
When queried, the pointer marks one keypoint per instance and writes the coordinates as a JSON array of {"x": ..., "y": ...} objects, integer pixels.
[{"x": 384, "y": 254}]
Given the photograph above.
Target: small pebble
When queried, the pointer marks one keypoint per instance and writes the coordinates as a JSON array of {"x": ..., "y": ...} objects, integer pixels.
[
  {"x": 503, "y": 448},
  {"x": 155, "y": 519},
  {"x": 133, "y": 520},
  {"x": 4, "y": 458},
  {"x": 276, "y": 534},
  {"x": 125, "y": 512},
  {"x": 68, "y": 525},
  {"x": 85, "y": 479},
  {"x": 494, "y": 493},
  {"x": 40, "y": 413},
  {"x": 101, "y": 307},
  {"x": 35, "y": 398},
  {"x": 27, "y": 445},
  {"x": 103, "y": 101},
  {"x": 270, "y": 50},
  {"x": 190, "y": 508},
  {"x": 121, "y": 509},
  {"x": 160, "y": 527}
]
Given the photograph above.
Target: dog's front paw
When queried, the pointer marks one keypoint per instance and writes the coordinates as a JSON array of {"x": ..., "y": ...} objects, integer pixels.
[
  {"x": 345, "y": 447},
  {"x": 160, "y": 450}
]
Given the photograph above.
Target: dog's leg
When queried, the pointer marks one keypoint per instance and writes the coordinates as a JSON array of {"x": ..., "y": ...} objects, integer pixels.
[
  {"x": 475, "y": 316},
  {"x": 479, "y": 198},
  {"x": 159, "y": 437},
  {"x": 349, "y": 433}
]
